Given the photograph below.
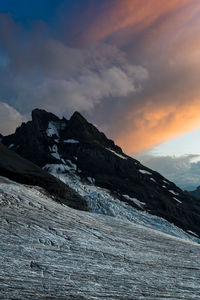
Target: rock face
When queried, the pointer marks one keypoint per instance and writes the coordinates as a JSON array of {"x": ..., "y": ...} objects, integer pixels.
[
  {"x": 49, "y": 251},
  {"x": 50, "y": 141},
  {"x": 21, "y": 170},
  {"x": 196, "y": 193}
]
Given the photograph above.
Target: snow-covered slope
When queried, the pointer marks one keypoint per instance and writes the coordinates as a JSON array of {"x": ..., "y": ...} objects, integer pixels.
[
  {"x": 102, "y": 202},
  {"x": 50, "y": 251}
]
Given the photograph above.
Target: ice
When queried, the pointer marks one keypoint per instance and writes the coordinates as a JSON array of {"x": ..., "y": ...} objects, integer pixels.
[
  {"x": 165, "y": 182},
  {"x": 11, "y": 146},
  {"x": 177, "y": 200},
  {"x": 145, "y": 172},
  {"x": 53, "y": 168},
  {"x": 91, "y": 180},
  {"x": 152, "y": 179},
  {"x": 193, "y": 233},
  {"x": 54, "y": 152},
  {"x": 58, "y": 169},
  {"x": 73, "y": 166},
  {"x": 121, "y": 156},
  {"x": 136, "y": 201},
  {"x": 71, "y": 141},
  {"x": 50, "y": 251},
  {"x": 171, "y": 191},
  {"x": 52, "y": 130},
  {"x": 101, "y": 201}
]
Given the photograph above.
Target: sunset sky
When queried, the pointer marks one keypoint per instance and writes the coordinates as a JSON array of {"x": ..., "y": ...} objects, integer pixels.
[{"x": 132, "y": 67}]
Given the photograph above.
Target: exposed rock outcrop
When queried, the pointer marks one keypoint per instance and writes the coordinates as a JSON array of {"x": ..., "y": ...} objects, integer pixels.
[{"x": 23, "y": 171}]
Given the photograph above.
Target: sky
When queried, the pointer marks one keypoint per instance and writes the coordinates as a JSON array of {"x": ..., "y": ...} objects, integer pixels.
[{"x": 131, "y": 67}]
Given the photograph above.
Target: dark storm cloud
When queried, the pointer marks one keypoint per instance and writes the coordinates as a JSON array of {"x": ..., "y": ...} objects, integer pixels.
[{"x": 44, "y": 72}]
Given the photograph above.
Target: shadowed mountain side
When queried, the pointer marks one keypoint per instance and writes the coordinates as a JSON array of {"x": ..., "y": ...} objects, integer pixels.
[
  {"x": 196, "y": 193},
  {"x": 23, "y": 171},
  {"x": 75, "y": 145}
]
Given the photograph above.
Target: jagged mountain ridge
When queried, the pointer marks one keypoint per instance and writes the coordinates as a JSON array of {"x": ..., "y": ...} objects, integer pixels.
[{"x": 75, "y": 143}]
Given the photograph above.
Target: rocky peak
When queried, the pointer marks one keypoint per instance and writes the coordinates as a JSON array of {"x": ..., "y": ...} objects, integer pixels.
[
  {"x": 78, "y": 147},
  {"x": 84, "y": 131},
  {"x": 41, "y": 118},
  {"x": 43, "y": 114},
  {"x": 77, "y": 117}
]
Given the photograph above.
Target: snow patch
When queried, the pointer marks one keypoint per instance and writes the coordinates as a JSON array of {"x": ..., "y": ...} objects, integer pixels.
[
  {"x": 91, "y": 180},
  {"x": 71, "y": 141},
  {"x": 52, "y": 130},
  {"x": 121, "y": 156},
  {"x": 145, "y": 172},
  {"x": 171, "y": 191},
  {"x": 135, "y": 200},
  {"x": 54, "y": 151},
  {"x": 177, "y": 200},
  {"x": 11, "y": 146},
  {"x": 152, "y": 179},
  {"x": 193, "y": 233},
  {"x": 56, "y": 168},
  {"x": 166, "y": 182},
  {"x": 73, "y": 166}
]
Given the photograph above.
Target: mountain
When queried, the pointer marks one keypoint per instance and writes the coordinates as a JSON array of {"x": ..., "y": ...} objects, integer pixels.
[
  {"x": 196, "y": 193},
  {"x": 50, "y": 251},
  {"x": 23, "y": 171},
  {"x": 78, "y": 153}
]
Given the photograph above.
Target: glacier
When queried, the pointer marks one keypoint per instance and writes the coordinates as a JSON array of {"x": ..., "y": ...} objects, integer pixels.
[
  {"x": 51, "y": 251},
  {"x": 101, "y": 201}
]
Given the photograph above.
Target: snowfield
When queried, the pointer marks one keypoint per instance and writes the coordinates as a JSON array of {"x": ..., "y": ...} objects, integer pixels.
[
  {"x": 100, "y": 201},
  {"x": 50, "y": 251}
]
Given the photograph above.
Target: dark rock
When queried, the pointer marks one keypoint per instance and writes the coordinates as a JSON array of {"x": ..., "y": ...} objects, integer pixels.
[
  {"x": 23, "y": 171},
  {"x": 196, "y": 193},
  {"x": 98, "y": 157}
]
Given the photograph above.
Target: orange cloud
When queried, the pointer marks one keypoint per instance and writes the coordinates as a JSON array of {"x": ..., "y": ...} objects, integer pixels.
[
  {"x": 152, "y": 124},
  {"x": 165, "y": 36},
  {"x": 139, "y": 14}
]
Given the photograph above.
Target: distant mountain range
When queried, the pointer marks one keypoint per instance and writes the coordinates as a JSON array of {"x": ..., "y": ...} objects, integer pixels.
[{"x": 80, "y": 155}]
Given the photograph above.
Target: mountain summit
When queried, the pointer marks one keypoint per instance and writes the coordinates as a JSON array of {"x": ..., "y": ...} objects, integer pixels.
[{"x": 75, "y": 150}]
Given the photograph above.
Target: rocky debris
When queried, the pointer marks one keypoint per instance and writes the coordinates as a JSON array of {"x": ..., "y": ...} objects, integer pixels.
[
  {"x": 21, "y": 170},
  {"x": 50, "y": 251},
  {"x": 77, "y": 145}
]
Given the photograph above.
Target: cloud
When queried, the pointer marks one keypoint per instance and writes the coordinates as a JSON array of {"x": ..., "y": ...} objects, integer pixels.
[
  {"x": 134, "y": 71},
  {"x": 10, "y": 119},
  {"x": 49, "y": 74},
  {"x": 116, "y": 16},
  {"x": 183, "y": 170},
  {"x": 156, "y": 122},
  {"x": 164, "y": 39}
]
